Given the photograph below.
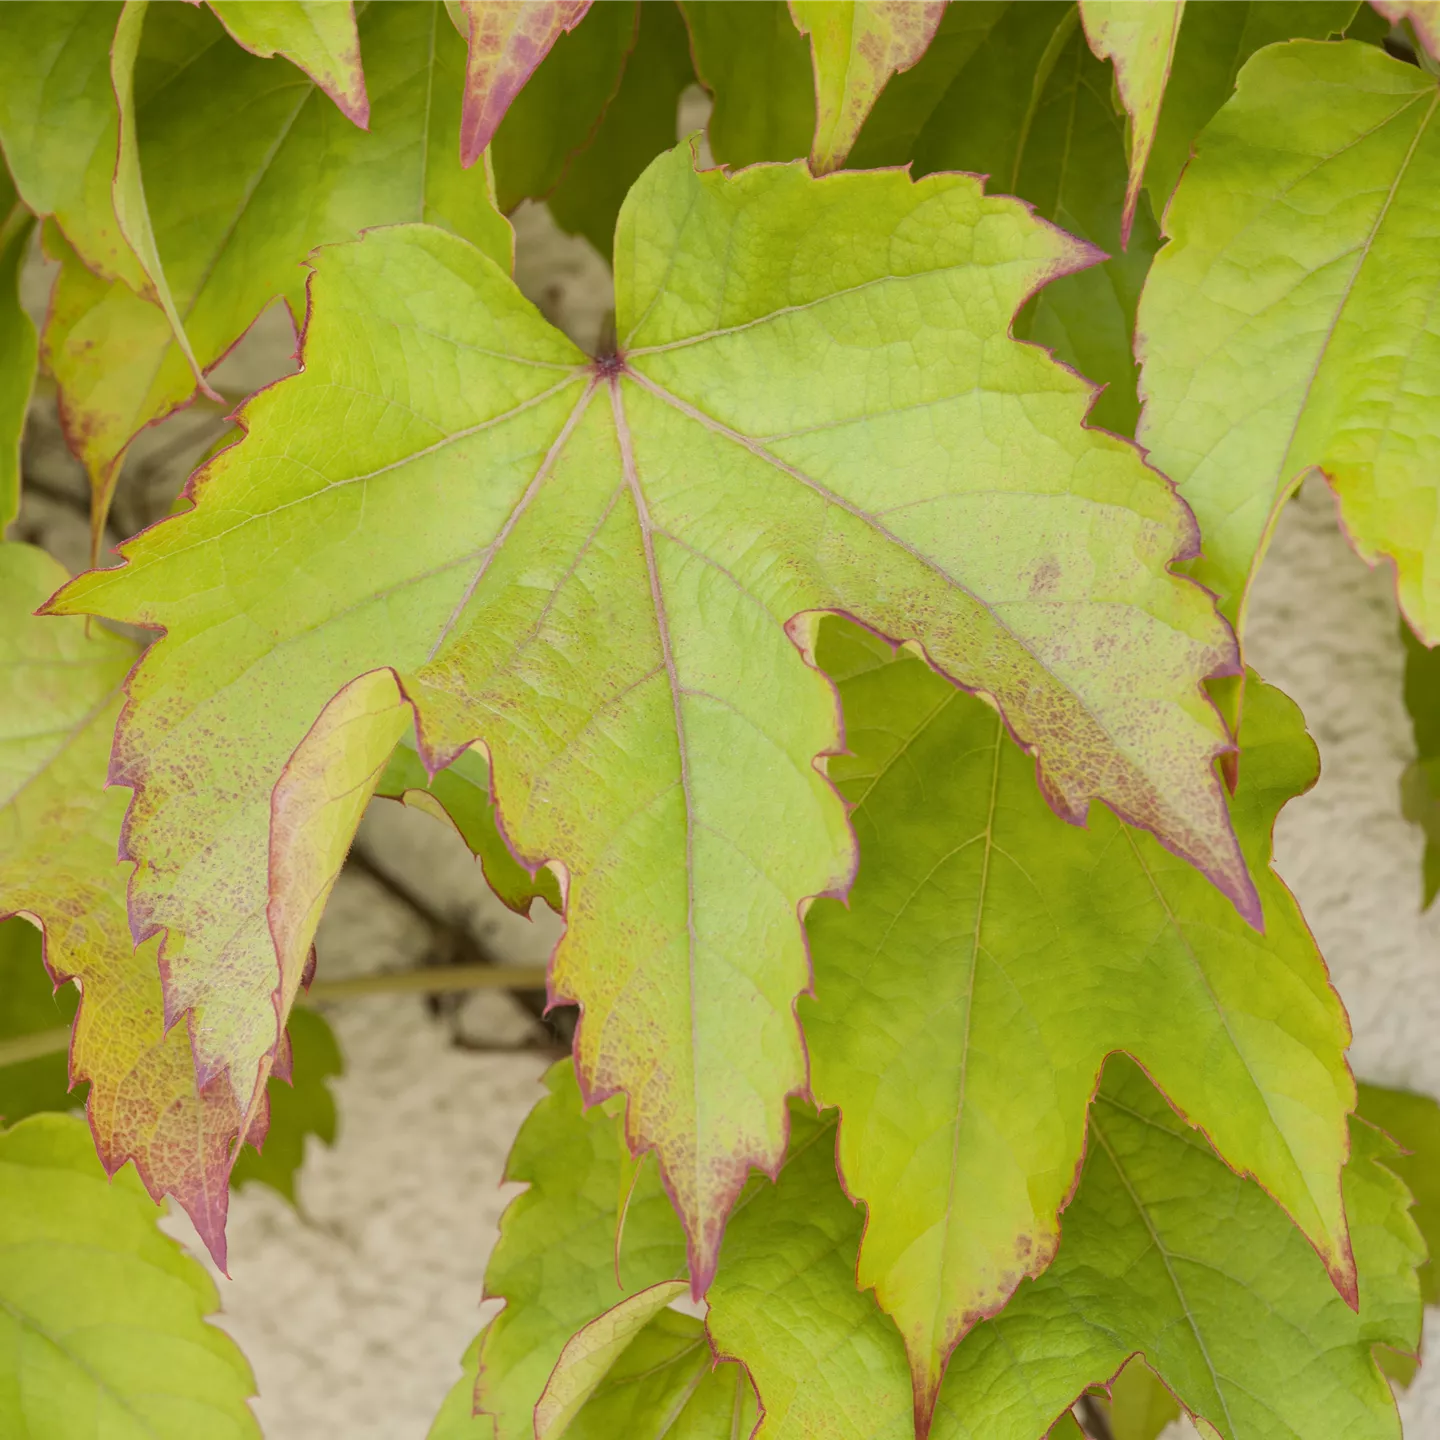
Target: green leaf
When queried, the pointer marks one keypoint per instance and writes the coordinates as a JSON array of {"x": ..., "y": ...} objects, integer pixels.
[
  {"x": 507, "y": 41},
  {"x": 300, "y": 1105},
  {"x": 59, "y": 831},
  {"x": 546, "y": 552},
  {"x": 756, "y": 64},
  {"x": 1300, "y": 275},
  {"x": 102, "y": 1316},
  {"x": 1031, "y": 108},
  {"x": 1420, "y": 783},
  {"x": 460, "y": 794},
  {"x": 557, "y": 113},
  {"x": 638, "y": 124},
  {"x": 855, "y": 47},
  {"x": 234, "y": 223},
  {"x": 1139, "y": 36},
  {"x": 58, "y": 123},
  {"x": 31, "y": 1004},
  {"x": 18, "y": 346},
  {"x": 1216, "y": 39},
  {"x": 990, "y": 956},
  {"x": 1139, "y": 1406},
  {"x": 317, "y": 35},
  {"x": 1165, "y": 1252},
  {"x": 563, "y": 1257},
  {"x": 1413, "y": 1121}
]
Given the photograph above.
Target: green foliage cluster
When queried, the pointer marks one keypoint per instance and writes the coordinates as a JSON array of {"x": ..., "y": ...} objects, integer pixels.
[{"x": 827, "y": 648}]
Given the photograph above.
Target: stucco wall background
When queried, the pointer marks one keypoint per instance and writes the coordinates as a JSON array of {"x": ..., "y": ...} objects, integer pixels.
[{"x": 354, "y": 1309}]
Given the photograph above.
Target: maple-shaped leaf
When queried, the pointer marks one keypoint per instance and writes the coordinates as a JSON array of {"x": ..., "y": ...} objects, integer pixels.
[
  {"x": 103, "y": 1325},
  {"x": 590, "y": 1231},
  {"x": 855, "y": 47},
  {"x": 756, "y": 65},
  {"x": 32, "y": 1008},
  {"x": 233, "y": 223},
  {"x": 59, "y": 829},
  {"x": 507, "y": 40},
  {"x": 1139, "y": 36},
  {"x": 600, "y": 570},
  {"x": 1165, "y": 1252},
  {"x": 18, "y": 345},
  {"x": 1288, "y": 324},
  {"x": 317, "y": 35},
  {"x": 989, "y": 957}
]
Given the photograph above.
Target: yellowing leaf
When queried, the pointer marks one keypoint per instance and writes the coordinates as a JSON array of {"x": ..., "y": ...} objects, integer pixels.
[
  {"x": 990, "y": 957},
  {"x": 59, "y": 830},
  {"x": 507, "y": 39},
  {"x": 102, "y": 1316},
  {"x": 600, "y": 569},
  {"x": 317, "y": 35},
  {"x": 1289, "y": 324},
  {"x": 1139, "y": 36},
  {"x": 856, "y": 46}
]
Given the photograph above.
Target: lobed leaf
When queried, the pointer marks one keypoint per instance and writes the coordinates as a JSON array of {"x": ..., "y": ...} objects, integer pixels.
[
  {"x": 317, "y": 35},
  {"x": 102, "y": 1316},
  {"x": 855, "y": 47},
  {"x": 59, "y": 698},
  {"x": 1139, "y": 36},
  {"x": 591, "y": 567},
  {"x": 507, "y": 40},
  {"x": 18, "y": 346},
  {"x": 989, "y": 957},
  {"x": 1299, "y": 275}
]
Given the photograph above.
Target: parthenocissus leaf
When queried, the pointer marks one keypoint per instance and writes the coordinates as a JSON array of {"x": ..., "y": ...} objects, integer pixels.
[
  {"x": 30, "y": 1004},
  {"x": 1165, "y": 1252},
  {"x": 1030, "y": 107},
  {"x": 1139, "y": 36},
  {"x": 507, "y": 39},
  {"x": 1288, "y": 324},
  {"x": 855, "y": 47},
  {"x": 18, "y": 346},
  {"x": 234, "y": 223},
  {"x": 1138, "y": 1406},
  {"x": 756, "y": 65},
  {"x": 461, "y": 794},
  {"x": 593, "y": 569},
  {"x": 1420, "y": 782},
  {"x": 102, "y": 1316},
  {"x": 300, "y": 1105},
  {"x": 990, "y": 957},
  {"x": 318, "y": 35},
  {"x": 564, "y": 1257},
  {"x": 59, "y": 829},
  {"x": 58, "y": 123}
]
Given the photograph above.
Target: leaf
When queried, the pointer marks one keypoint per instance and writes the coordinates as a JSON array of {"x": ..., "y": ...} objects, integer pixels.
[
  {"x": 31, "y": 1004},
  {"x": 1032, "y": 109},
  {"x": 460, "y": 795},
  {"x": 234, "y": 223},
  {"x": 1413, "y": 1121},
  {"x": 589, "y": 609},
  {"x": 1165, "y": 1252},
  {"x": 560, "y": 1249},
  {"x": 1139, "y": 36},
  {"x": 756, "y": 65},
  {"x": 989, "y": 957},
  {"x": 317, "y": 35},
  {"x": 1300, "y": 274},
  {"x": 59, "y": 698},
  {"x": 299, "y": 1107},
  {"x": 1420, "y": 783},
  {"x": 1423, "y": 16},
  {"x": 1168, "y": 1253},
  {"x": 638, "y": 124},
  {"x": 58, "y": 123},
  {"x": 557, "y": 113},
  {"x": 18, "y": 347},
  {"x": 102, "y": 1316},
  {"x": 1216, "y": 39},
  {"x": 855, "y": 48},
  {"x": 507, "y": 40},
  {"x": 1139, "y": 1407}
]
